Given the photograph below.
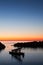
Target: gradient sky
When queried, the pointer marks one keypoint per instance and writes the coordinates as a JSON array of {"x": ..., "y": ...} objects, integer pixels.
[{"x": 21, "y": 19}]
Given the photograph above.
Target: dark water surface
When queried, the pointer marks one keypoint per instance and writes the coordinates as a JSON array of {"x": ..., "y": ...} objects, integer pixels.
[{"x": 31, "y": 56}]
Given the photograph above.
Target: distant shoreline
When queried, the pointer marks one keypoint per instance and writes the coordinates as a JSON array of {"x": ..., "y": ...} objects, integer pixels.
[{"x": 33, "y": 44}]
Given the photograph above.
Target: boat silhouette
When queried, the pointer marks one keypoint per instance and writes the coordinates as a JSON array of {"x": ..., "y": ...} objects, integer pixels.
[{"x": 16, "y": 53}]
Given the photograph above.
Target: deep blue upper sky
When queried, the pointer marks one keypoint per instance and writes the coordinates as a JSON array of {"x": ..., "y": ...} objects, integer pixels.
[{"x": 21, "y": 17}]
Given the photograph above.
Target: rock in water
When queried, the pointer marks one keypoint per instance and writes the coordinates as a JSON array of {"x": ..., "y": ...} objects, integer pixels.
[{"x": 2, "y": 46}]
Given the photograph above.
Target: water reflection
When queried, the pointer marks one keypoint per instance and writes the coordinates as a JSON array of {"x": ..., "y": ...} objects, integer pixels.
[
  {"x": 1, "y": 50},
  {"x": 31, "y": 56},
  {"x": 18, "y": 57}
]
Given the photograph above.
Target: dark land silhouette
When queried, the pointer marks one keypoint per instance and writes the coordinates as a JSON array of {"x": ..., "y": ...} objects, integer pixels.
[
  {"x": 33, "y": 44},
  {"x": 2, "y": 46}
]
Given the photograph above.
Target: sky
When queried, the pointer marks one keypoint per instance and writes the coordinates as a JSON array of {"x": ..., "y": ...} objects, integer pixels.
[{"x": 21, "y": 19}]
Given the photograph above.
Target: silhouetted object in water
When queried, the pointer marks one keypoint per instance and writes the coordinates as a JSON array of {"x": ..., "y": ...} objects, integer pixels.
[
  {"x": 2, "y": 46},
  {"x": 17, "y": 50},
  {"x": 33, "y": 44},
  {"x": 16, "y": 53}
]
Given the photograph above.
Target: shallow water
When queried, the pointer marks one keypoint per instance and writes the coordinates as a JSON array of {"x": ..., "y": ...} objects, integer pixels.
[{"x": 31, "y": 56}]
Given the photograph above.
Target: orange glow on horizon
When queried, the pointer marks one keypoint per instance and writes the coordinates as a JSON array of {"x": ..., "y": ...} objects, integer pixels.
[{"x": 22, "y": 39}]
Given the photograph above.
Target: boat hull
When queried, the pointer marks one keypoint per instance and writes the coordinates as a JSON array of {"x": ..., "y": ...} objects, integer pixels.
[{"x": 16, "y": 53}]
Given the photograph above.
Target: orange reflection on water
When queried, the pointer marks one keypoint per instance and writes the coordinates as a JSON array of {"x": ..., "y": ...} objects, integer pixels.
[{"x": 9, "y": 45}]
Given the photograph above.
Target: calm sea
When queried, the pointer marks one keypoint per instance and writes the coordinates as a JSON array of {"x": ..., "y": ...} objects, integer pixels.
[{"x": 31, "y": 56}]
